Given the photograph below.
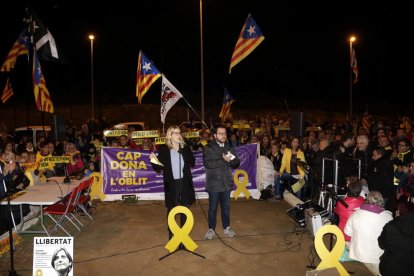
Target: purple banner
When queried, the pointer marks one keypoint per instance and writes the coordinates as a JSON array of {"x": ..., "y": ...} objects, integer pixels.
[{"x": 128, "y": 171}]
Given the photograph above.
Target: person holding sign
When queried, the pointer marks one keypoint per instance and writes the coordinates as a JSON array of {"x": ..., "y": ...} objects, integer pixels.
[
  {"x": 175, "y": 159},
  {"x": 62, "y": 262}
]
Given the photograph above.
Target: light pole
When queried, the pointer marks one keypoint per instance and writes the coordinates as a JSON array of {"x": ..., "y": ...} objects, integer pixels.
[
  {"x": 202, "y": 60},
  {"x": 351, "y": 40},
  {"x": 91, "y": 38}
]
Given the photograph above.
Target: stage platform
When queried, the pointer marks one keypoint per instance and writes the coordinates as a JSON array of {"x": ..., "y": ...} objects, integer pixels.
[{"x": 129, "y": 240}]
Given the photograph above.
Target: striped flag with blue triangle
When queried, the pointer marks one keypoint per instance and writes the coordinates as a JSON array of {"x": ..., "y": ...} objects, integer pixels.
[
  {"x": 147, "y": 74},
  {"x": 227, "y": 101}
]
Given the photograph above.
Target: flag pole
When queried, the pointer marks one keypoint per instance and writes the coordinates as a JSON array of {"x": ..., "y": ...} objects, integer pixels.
[
  {"x": 201, "y": 61},
  {"x": 31, "y": 32},
  {"x": 351, "y": 39},
  {"x": 198, "y": 116}
]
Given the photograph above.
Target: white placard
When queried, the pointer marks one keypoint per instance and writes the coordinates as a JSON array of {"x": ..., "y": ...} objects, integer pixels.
[{"x": 52, "y": 256}]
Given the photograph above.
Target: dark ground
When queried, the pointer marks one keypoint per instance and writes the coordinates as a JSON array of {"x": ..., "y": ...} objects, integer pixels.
[{"x": 129, "y": 240}]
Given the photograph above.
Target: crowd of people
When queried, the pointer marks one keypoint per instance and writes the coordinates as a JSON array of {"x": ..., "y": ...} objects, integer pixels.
[{"x": 375, "y": 187}]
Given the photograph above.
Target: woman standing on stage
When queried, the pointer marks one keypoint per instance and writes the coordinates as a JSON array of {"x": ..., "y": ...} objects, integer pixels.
[{"x": 176, "y": 159}]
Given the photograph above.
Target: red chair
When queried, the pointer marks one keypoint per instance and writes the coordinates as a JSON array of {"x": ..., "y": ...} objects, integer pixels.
[
  {"x": 64, "y": 209},
  {"x": 84, "y": 197}
]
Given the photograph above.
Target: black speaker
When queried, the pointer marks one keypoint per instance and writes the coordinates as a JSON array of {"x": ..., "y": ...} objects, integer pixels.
[
  {"x": 296, "y": 124},
  {"x": 59, "y": 128}
]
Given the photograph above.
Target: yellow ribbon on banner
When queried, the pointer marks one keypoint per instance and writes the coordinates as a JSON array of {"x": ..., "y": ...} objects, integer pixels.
[
  {"x": 330, "y": 258},
  {"x": 181, "y": 235},
  {"x": 97, "y": 189},
  {"x": 241, "y": 186}
]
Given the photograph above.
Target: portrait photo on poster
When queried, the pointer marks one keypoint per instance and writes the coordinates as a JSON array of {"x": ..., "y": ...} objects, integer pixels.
[{"x": 53, "y": 256}]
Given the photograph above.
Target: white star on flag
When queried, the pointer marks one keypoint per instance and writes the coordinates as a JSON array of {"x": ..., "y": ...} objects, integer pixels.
[
  {"x": 251, "y": 30},
  {"x": 147, "y": 66}
]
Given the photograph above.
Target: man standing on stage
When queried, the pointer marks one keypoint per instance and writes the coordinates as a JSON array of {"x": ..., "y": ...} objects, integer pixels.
[{"x": 219, "y": 159}]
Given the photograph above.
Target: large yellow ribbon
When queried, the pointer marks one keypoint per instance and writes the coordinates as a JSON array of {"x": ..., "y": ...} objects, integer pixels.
[
  {"x": 181, "y": 235},
  {"x": 97, "y": 190},
  {"x": 330, "y": 258},
  {"x": 241, "y": 185}
]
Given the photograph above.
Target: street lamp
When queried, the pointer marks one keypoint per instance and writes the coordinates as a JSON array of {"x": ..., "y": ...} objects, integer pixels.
[
  {"x": 91, "y": 38},
  {"x": 202, "y": 60},
  {"x": 351, "y": 40}
]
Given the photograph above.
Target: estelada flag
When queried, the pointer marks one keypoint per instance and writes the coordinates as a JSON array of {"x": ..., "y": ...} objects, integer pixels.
[
  {"x": 7, "y": 92},
  {"x": 147, "y": 74},
  {"x": 227, "y": 101},
  {"x": 250, "y": 37},
  {"x": 20, "y": 47},
  {"x": 41, "y": 93}
]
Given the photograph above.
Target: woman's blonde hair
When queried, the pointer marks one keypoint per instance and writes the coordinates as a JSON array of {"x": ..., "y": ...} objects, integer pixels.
[
  {"x": 169, "y": 135},
  {"x": 375, "y": 197}
]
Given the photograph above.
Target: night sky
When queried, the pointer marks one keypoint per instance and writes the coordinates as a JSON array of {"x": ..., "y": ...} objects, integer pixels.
[{"x": 303, "y": 59}]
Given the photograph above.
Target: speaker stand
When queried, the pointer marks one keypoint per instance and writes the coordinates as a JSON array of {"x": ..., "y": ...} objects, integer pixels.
[{"x": 181, "y": 247}]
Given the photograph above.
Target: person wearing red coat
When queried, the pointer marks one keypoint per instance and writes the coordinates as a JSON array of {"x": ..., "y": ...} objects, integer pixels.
[{"x": 353, "y": 200}]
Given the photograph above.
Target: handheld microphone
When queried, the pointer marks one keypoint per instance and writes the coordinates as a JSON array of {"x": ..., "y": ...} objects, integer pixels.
[
  {"x": 300, "y": 162},
  {"x": 303, "y": 164}
]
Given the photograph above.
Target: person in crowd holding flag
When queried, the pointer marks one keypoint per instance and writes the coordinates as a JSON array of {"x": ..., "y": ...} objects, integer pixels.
[
  {"x": 175, "y": 160},
  {"x": 219, "y": 158}
]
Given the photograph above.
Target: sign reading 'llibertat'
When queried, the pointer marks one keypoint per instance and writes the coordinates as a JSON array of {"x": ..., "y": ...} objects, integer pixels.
[{"x": 53, "y": 256}]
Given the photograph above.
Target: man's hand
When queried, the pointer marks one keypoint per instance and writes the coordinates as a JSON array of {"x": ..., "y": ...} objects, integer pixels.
[{"x": 226, "y": 157}]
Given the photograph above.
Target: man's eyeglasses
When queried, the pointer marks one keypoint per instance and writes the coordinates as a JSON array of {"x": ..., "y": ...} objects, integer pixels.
[
  {"x": 176, "y": 133},
  {"x": 221, "y": 133}
]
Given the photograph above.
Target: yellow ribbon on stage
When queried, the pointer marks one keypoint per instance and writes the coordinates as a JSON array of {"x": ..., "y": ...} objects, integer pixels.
[
  {"x": 241, "y": 185},
  {"x": 96, "y": 189},
  {"x": 181, "y": 235},
  {"x": 330, "y": 258}
]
